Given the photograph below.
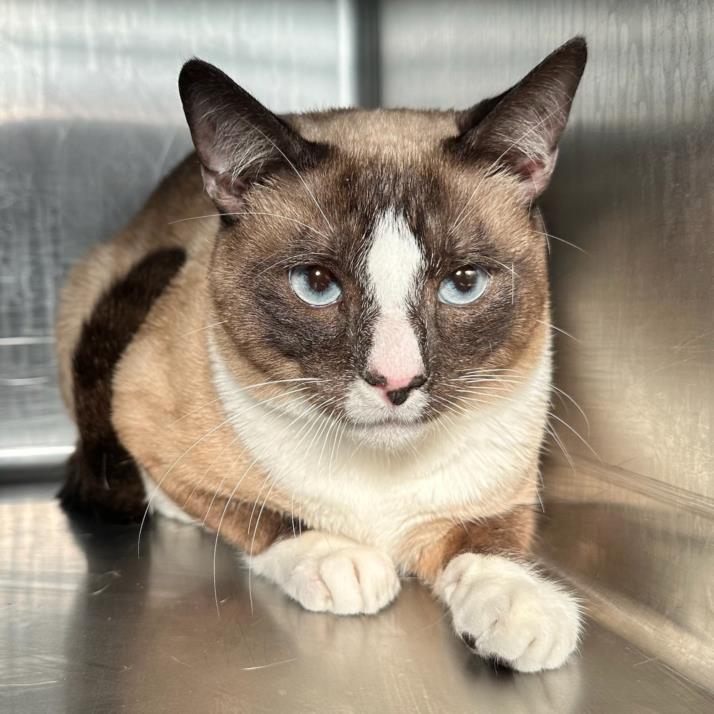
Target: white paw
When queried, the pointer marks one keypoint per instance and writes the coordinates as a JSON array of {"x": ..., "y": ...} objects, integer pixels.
[
  {"x": 327, "y": 573},
  {"x": 504, "y": 610}
]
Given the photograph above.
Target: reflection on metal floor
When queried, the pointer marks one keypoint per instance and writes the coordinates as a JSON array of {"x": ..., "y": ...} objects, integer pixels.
[{"x": 86, "y": 626}]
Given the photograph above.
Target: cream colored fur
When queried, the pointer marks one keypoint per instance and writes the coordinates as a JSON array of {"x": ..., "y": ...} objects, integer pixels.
[
  {"x": 510, "y": 611},
  {"x": 203, "y": 444},
  {"x": 376, "y": 497}
]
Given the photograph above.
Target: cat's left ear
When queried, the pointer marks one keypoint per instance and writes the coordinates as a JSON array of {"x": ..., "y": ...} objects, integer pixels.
[
  {"x": 237, "y": 139},
  {"x": 519, "y": 130}
]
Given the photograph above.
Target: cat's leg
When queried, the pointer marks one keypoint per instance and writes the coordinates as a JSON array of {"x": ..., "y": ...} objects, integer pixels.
[
  {"x": 321, "y": 571},
  {"x": 328, "y": 573},
  {"x": 501, "y": 606}
]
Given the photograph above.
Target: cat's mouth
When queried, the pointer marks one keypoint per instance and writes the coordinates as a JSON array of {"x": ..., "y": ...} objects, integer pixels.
[
  {"x": 389, "y": 422},
  {"x": 389, "y": 432}
]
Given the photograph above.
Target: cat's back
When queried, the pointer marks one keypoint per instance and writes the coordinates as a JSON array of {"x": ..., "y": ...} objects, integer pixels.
[{"x": 136, "y": 262}]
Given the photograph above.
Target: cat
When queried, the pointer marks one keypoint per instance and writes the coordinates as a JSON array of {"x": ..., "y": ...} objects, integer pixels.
[{"x": 326, "y": 337}]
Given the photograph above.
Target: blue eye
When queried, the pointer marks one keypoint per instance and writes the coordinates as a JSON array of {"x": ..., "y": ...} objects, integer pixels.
[
  {"x": 463, "y": 286},
  {"x": 315, "y": 285}
]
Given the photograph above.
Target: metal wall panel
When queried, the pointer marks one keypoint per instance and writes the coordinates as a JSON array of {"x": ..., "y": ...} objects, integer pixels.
[
  {"x": 631, "y": 518},
  {"x": 90, "y": 120}
]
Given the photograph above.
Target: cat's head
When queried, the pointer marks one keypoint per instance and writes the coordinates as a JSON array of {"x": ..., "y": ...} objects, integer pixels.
[{"x": 389, "y": 265}]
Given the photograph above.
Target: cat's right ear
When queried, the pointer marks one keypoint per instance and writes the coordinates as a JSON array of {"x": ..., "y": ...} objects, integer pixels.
[{"x": 237, "y": 139}]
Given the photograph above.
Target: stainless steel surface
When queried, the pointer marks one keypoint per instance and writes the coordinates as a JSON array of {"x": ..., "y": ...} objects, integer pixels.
[
  {"x": 87, "y": 626},
  {"x": 632, "y": 518},
  {"x": 90, "y": 120}
]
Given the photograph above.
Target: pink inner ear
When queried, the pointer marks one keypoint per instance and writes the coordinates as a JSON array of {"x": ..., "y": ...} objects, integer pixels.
[
  {"x": 226, "y": 192},
  {"x": 536, "y": 173}
]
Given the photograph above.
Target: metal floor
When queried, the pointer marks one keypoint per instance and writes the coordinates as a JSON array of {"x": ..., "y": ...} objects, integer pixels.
[{"x": 86, "y": 626}]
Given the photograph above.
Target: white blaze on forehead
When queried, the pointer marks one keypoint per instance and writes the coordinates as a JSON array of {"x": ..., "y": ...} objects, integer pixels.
[{"x": 394, "y": 263}]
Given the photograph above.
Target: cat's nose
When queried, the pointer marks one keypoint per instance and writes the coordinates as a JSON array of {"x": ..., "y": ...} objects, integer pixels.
[{"x": 396, "y": 389}]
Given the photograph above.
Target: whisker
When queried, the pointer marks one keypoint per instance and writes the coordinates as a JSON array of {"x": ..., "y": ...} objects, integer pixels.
[
  {"x": 319, "y": 431},
  {"x": 220, "y": 523},
  {"x": 560, "y": 443},
  {"x": 476, "y": 400},
  {"x": 487, "y": 379},
  {"x": 229, "y": 419},
  {"x": 292, "y": 166},
  {"x": 562, "y": 393},
  {"x": 456, "y": 408},
  {"x": 291, "y": 258},
  {"x": 488, "y": 385},
  {"x": 243, "y": 389},
  {"x": 559, "y": 329},
  {"x": 337, "y": 443},
  {"x": 193, "y": 411},
  {"x": 166, "y": 473},
  {"x": 490, "y": 372},
  {"x": 218, "y": 530},
  {"x": 201, "y": 329},
  {"x": 311, "y": 422},
  {"x": 334, "y": 425},
  {"x": 252, "y": 213},
  {"x": 562, "y": 240},
  {"x": 217, "y": 490},
  {"x": 576, "y": 433}
]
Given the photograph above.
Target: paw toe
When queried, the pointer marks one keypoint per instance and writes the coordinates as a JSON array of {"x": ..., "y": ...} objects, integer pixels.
[
  {"x": 508, "y": 613},
  {"x": 339, "y": 574},
  {"x": 311, "y": 592},
  {"x": 535, "y": 655},
  {"x": 503, "y": 641},
  {"x": 379, "y": 582}
]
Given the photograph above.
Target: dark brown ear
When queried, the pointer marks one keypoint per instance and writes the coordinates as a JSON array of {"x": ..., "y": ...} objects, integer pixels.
[
  {"x": 518, "y": 131},
  {"x": 237, "y": 139}
]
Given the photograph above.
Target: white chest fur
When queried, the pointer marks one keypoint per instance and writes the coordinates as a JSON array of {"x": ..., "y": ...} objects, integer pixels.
[{"x": 468, "y": 466}]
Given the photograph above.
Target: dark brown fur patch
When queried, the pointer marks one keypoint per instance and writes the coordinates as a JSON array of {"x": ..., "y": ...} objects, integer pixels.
[
  {"x": 102, "y": 477},
  {"x": 248, "y": 525},
  {"x": 268, "y": 325},
  {"x": 508, "y": 534}
]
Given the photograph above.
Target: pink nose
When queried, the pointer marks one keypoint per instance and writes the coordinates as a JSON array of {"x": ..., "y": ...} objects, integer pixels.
[{"x": 396, "y": 389}]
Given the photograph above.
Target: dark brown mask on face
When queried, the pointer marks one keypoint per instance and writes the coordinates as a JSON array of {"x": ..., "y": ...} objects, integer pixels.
[{"x": 393, "y": 256}]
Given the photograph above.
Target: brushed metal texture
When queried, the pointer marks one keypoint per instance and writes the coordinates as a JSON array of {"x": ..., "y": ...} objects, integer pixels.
[
  {"x": 88, "y": 626},
  {"x": 629, "y": 508},
  {"x": 90, "y": 120}
]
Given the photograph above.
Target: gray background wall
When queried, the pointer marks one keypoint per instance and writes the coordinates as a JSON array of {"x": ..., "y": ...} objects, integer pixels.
[{"x": 90, "y": 120}]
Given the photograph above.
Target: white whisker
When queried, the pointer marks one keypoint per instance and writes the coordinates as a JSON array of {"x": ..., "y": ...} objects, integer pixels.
[
  {"x": 243, "y": 389},
  {"x": 317, "y": 410},
  {"x": 562, "y": 393},
  {"x": 576, "y": 433},
  {"x": 558, "y": 329},
  {"x": 252, "y": 213},
  {"x": 186, "y": 452},
  {"x": 293, "y": 167},
  {"x": 562, "y": 240}
]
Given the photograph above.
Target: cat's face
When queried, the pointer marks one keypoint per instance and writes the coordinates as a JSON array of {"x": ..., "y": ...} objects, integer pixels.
[
  {"x": 392, "y": 298},
  {"x": 389, "y": 266}
]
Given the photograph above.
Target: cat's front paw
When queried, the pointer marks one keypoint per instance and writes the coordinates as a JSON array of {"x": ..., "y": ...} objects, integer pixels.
[
  {"x": 327, "y": 573},
  {"x": 503, "y": 610}
]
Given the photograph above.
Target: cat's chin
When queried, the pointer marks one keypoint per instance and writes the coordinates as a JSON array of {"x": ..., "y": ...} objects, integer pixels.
[{"x": 388, "y": 435}]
